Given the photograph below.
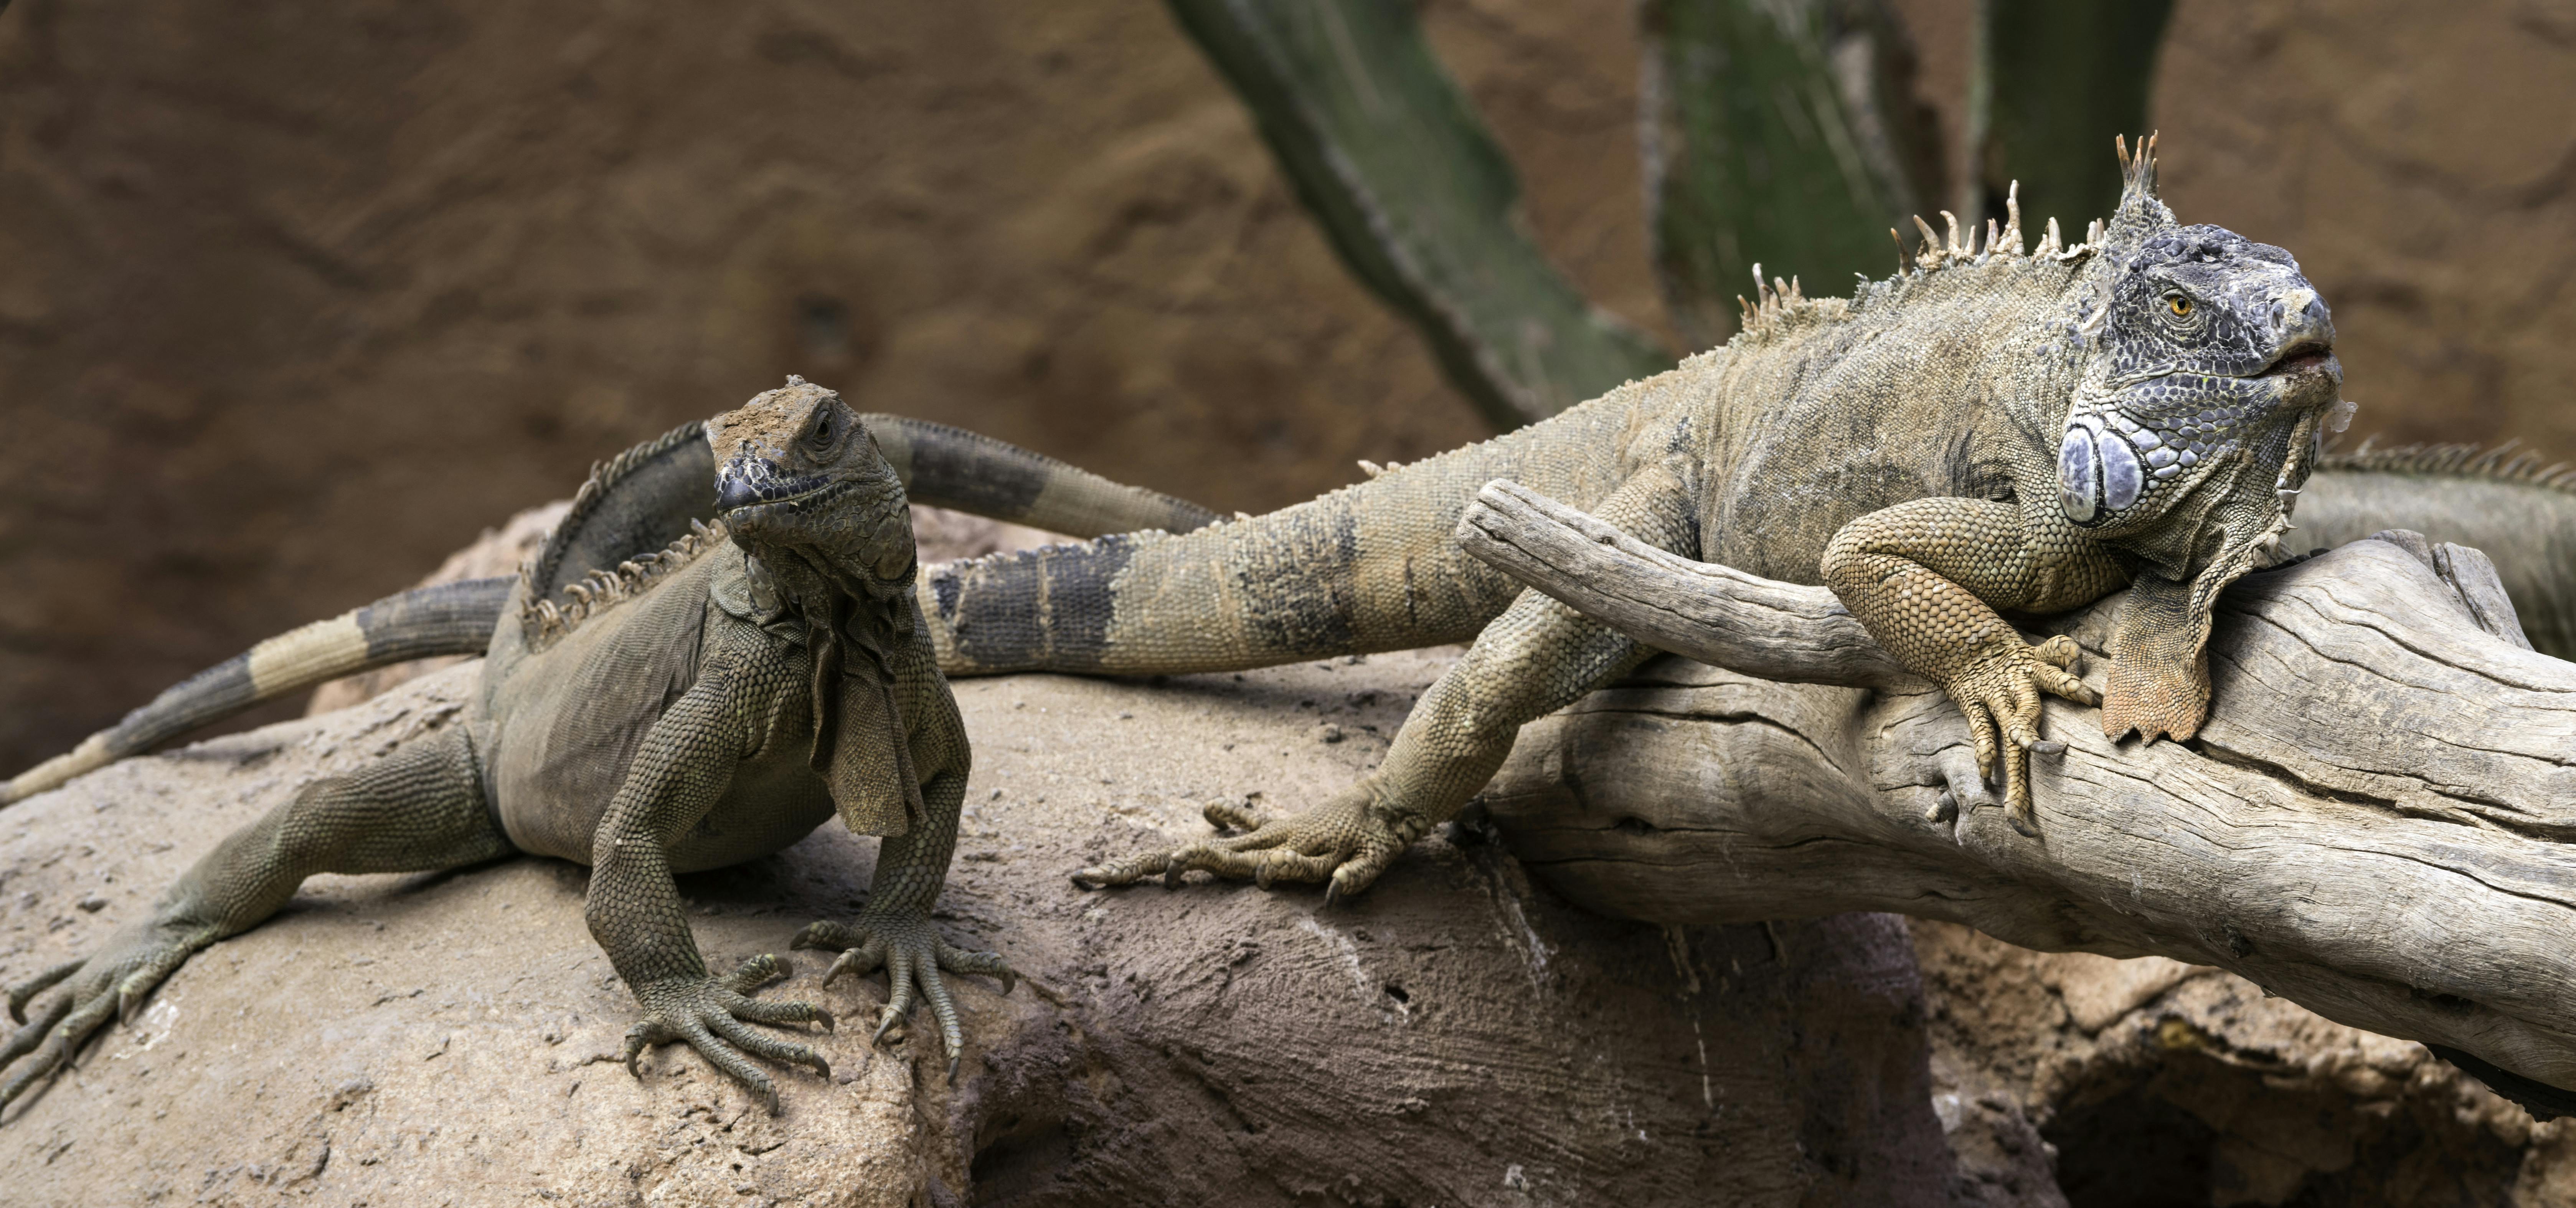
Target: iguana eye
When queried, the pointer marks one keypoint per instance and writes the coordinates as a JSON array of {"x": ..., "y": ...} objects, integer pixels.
[
  {"x": 2181, "y": 305},
  {"x": 822, "y": 434}
]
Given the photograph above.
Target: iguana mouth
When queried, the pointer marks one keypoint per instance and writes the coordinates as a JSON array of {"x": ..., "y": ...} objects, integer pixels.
[
  {"x": 755, "y": 482},
  {"x": 785, "y": 492},
  {"x": 2305, "y": 358}
]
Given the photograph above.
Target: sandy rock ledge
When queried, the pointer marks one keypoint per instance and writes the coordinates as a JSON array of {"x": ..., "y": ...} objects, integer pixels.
[{"x": 1454, "y": 1037}]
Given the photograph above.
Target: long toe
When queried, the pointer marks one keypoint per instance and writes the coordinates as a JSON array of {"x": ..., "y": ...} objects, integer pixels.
[
  {"x": 1123, "y": 872},
  {"x": 989, "y": 964},
  {"x": 952, "y": 1036},
  {"x": 745, "y": 1037},
  {"x": 826, "y": 934},
  {"x": 780, "y": 1011},
  {"x": 25, "y": 991}
]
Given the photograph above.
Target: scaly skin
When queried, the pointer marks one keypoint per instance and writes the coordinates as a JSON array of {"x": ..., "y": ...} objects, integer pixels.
[
  {"x": 1904, "y": 447},
  {"x": 660, "y": 490},
  {"x": 697, "y": 707}
]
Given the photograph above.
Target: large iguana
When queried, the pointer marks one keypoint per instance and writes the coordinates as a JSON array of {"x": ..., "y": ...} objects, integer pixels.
[
  {"x": 1993, "y": 431},
  {"x": 654, "y": 700}
]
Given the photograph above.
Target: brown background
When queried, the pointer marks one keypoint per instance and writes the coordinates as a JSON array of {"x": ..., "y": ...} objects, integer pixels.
[{"x": 296, "y": 298}]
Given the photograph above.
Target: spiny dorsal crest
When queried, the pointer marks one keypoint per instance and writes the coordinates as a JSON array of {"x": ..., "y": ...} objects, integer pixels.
[
  {"x": 540, "y": 569},
  {"x": 1776, "y": 306},
  {"x": 542, "y": 623},
  {"x": 2500, "y": 464}
]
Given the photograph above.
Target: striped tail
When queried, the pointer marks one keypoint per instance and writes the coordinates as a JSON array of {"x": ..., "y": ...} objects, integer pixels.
[
  {"x": 953, "y": 468},
  {"x": 447, "y": 618},
  {"x": 642, "y": 499},
  {"x": 1367, "y": 568}
]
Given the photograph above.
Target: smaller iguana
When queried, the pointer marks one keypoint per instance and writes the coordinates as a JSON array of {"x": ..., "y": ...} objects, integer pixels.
[{"x": 659, "y": 705}]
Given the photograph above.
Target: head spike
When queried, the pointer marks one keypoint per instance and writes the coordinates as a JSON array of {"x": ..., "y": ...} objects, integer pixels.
[
  {"x": 2052, "y": 242},
  {"x": 1930, "y": 256},
  {"x": 1900, "y": 250},
  {"x": 1761, "y": 292},
  {"x": 2012, "y": 216},
  {"x": 2139, "y": 214},
  {"x": 1950, "y": 245}
]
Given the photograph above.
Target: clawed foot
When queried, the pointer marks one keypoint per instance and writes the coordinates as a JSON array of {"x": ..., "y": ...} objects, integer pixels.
[
  {"x": 909, "y": 948},
  {"x": 708, "y": 1013},
  {"x": 2000, "y": 699},
  {"x": 113, "y": 982},
  {"x": 1344, "y": 842}
]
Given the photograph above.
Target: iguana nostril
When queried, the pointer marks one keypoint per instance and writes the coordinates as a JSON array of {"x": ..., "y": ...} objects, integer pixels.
[{"x": 2299, "y": 317}]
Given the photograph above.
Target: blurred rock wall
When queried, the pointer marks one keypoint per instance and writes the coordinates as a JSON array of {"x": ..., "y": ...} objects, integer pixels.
[{"x": 294, "y": 298}]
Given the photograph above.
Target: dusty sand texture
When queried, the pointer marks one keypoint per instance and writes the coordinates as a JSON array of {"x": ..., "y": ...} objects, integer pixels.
[{"x": 1455, "y": 1037}]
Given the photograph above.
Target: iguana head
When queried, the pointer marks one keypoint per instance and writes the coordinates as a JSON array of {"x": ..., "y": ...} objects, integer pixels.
[
  {"x": 2208, "y": 378},
  {"x": 2207, "y": 354},
  {"x": 802, "y": 487}
]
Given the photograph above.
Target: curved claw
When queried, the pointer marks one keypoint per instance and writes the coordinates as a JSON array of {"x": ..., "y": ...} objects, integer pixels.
[
  {"x": 914, "y": 958},
  {"x": 858, "y": 961},
  {"x": 94, "y": 990},
  {"x": 2000, "y": 699}
]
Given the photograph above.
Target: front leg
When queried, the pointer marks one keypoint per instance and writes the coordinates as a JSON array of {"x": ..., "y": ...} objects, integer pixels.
[
  {"x": 1925, "y": 578},
  {"x": 1537, "y": 657},
  {"x": 634, "y": 911},
  {"x": 894, "y": 929}
]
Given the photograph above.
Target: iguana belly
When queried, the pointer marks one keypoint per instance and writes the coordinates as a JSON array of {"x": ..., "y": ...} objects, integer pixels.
[{"x": 561, "y": 726}]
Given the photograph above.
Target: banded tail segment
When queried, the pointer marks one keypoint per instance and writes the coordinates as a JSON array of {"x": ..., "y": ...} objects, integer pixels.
[
  {"x": 949, "y": 467},
  {"x": 1367, "y": 568},
  {"x": 447, "y": 618},
  {"x": 644, "y": 499}
]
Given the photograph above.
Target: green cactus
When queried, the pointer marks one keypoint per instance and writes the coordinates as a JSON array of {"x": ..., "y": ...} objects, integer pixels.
[
  {"x": 1417, "y": 197},
  {"x": 1782, "y": 133},
  {"x": 2050, "y": 83}
]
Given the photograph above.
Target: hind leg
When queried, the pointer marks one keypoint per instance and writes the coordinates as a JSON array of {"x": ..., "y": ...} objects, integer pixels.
[{"x": 419, "y": 810}]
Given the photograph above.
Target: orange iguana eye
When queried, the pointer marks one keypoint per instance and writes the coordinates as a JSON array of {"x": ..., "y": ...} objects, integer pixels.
[{"x": 2181, "y": 305}]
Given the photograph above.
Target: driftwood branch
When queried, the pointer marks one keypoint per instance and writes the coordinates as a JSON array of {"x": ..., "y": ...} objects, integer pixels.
[{"x": 2373, "y": 823}]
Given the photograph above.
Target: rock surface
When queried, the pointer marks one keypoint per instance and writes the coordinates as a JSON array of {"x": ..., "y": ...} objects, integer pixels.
[
  {"x": 2148, "y": 1082},
  {"x": 1455, "y": 1036}
]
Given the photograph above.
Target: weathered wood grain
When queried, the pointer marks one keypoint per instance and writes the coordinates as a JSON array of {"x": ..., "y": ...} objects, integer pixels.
[{"x": 2374, "y": 822}]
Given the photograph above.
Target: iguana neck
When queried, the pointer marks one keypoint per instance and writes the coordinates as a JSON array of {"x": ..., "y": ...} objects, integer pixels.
[{"x": 838, "y": 601}]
